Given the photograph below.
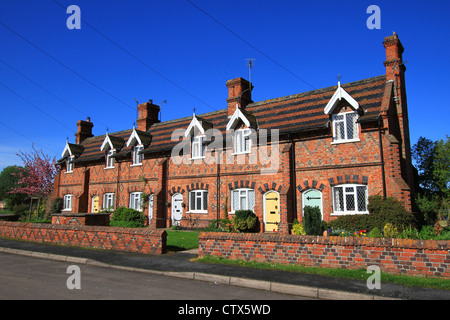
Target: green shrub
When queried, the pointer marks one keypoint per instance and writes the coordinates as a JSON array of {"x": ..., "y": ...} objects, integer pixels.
[
  {"x": 244, "y": 220},
  {"x": 390, "y": 231},
  {"x": 127, "y": 218},
  {"x": 312, "y": 221},
  {"x": 381, "y": 212},
  {"x": 56, "y": 206},
  {"x": 298, "y": 229},
  {"x": 409, "y": 233},
  {"x": 375, "y": 233},
  {"x": 219, "y": 225}
]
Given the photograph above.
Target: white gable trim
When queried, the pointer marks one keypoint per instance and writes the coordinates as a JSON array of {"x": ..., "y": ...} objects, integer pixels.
[
  {"x": 134, "y": 139},
  {"x": 107, "y": 144},
  {"x": 194, "y": 124},
  {"x": 67, "y": 152},
  {"x": 338, "y": 96},
  {"x": 235, "y": 117}
]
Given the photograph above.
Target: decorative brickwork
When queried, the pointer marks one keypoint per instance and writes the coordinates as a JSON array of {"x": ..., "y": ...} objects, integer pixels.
[
  {"x": 397, "y": 256},
  {"x": 110, "y": 238},
  {"x": 293, "y": 150},
  {"x": 81, "y": 219}
]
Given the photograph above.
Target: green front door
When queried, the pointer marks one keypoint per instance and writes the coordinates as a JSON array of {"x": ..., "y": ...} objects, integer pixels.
[{"x": 313, "y": 198}]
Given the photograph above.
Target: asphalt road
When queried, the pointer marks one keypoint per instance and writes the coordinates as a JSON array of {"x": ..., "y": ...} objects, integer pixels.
[{"x": 29, "y": 278}]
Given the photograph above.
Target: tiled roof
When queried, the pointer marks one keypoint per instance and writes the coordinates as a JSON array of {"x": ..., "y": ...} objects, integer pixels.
[{"x": 294, "y": 113}]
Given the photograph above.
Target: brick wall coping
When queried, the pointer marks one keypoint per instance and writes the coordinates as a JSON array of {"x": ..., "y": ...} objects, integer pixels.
[
  {"x": 140, "y": 231},
  {"x": 328, "y": 240},
  {"x": 69, "y": 214}
]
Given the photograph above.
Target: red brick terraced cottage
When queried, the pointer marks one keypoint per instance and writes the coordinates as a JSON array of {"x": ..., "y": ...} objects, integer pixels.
[{"x": 331, "y": 148}]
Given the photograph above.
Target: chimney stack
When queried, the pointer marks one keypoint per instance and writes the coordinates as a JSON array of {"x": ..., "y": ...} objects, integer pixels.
[
  {"x": 239, "y": 93},
  {"x": 394, "y": 57},
  {"x": 148, "y": 115},
  {"x": 84, "y": 130},
  {"x": 395, "y": 71}
]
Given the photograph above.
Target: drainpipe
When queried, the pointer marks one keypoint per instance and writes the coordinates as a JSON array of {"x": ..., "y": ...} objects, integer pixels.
[
  {"x": 293, "y": 176},
  {"x": 218, "y": 193},
  {"x": 383, "y": 174}
]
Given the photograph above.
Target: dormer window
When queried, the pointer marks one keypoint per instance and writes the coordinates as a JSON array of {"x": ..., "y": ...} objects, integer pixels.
[
  {"x": 345, "y": 127},
  {"x": 69, "y": 164},
  {"x": 197, "y": 132},
  {"x": 198, "y": 147},
  {"x": 137, "y": 156},
  {"x": 111, "y": 145},
  {"x": 137, "y": 141},
  {"x": 242, "y": 141},
  {"x": 110, "y": 161}
]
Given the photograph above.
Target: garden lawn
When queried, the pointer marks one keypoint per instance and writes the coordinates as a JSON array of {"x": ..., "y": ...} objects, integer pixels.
[{"x": 178, "y": 240}]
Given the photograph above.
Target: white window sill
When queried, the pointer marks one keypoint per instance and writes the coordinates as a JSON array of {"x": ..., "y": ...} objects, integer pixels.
[
  {"x": 198, "y": 211},
  {"x": 109, "y": 168},
  {"x": 348, "y": 213},
  {"x": 345, "y": 141},
  {"x": 66, "y": 210},
  {"x": 197, "y": 158},
  {"x": 136, "y": 165},
  {"x": 238, "y": 153},
  {"x": 68, "y": 172}
]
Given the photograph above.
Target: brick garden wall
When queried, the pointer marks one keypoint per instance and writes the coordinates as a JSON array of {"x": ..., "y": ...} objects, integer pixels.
[
  {"x": 396, "y": 256},
  {"x": 111, "y": 238}
]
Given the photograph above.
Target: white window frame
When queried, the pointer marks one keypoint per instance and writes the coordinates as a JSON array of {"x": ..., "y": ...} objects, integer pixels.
[
  {"x": 110, "y": 161},
  {"x": 69, "y": 164},
  {"x": 344, "y": 122},
  {"x": 137, "y": 158},
  {"x": 201, "y": 195},
  {"x": 136, "y": 201},
  {"x": 341, "y": 207},
  {"x": 67, "y": 202},
  {"x": 242, "y": 141},
  {"x": 198, "y": 148},
  {"x": 109, "y": 201},
  {"x": 243, "y": 194}
]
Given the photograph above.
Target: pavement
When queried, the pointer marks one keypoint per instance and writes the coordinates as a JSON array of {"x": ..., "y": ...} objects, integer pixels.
[{"x": 181, "y": 264}]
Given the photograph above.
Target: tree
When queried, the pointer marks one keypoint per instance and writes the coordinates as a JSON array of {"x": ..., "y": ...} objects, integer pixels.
[
  {"x": 9, "y": 181},
  {"x": 432, "y": 161},
  {"x": 441, "y": 173},
  {"x": 441, "y": 170},
  {"x": 423, "y": 153},
  {"x": 37, "y": 175}
]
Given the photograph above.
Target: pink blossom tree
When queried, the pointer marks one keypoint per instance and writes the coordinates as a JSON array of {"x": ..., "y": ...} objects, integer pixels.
[{"x": 37, "y": 176}]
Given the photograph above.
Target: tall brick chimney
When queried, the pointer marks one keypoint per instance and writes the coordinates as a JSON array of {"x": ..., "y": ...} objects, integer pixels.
[
  {"x": 394, "y": 57},
  {"x": 239, "y": 93},
  {"x": 84, "y": 130},
  {"x": 148, "y": 115},
  {"x": 395, "y": 71}
]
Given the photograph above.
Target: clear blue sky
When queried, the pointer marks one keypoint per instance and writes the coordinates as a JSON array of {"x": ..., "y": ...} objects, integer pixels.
[{"x": 185, "y": 58}]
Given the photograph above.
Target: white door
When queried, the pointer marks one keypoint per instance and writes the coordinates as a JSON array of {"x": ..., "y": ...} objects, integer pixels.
[
  {"x": 177, "y": 208},
  {"x": 150, "y": 208}
]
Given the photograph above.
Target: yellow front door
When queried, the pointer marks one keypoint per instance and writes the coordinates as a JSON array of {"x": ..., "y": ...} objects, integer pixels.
[
  {"x": 95, "y": 204},
  {"x": 272, "y": 211}
]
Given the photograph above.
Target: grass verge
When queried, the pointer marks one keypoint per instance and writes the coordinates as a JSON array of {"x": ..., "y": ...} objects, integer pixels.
[
  {"x": 178, "y": 240},
  {"x": 359, "y": 274}
]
